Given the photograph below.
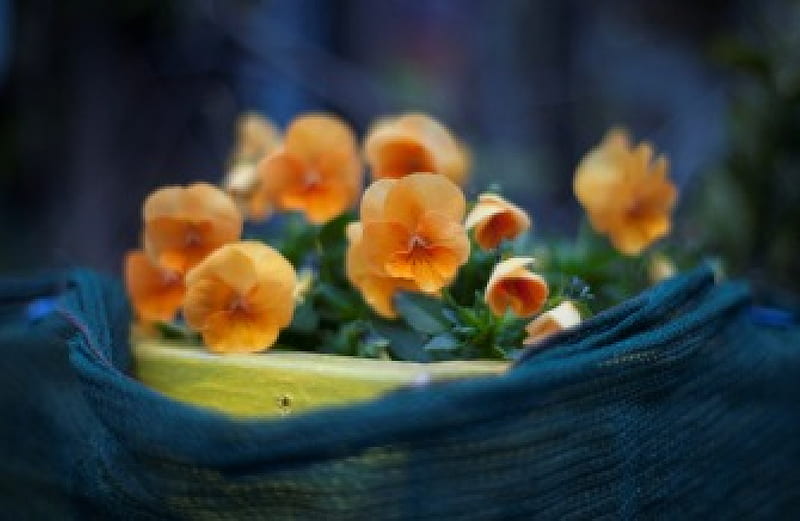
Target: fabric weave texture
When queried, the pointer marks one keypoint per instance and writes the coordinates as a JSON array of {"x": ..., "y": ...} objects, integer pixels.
[{"x": 674, "y": 405}]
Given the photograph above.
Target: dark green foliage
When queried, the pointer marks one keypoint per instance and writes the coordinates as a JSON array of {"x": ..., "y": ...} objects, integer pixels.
[
  {"x": 446, "y": 330},
  {"x": 176, "y": 331},
  {"x": 747, "y": 210},
  {"x": 331, "y": 317}
]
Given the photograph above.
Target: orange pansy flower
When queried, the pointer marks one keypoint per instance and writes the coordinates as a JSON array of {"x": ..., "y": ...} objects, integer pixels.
[
  {"x": 414, "y": 143},
  {"x": 156, "y": 293},
  {"x": 626, "y": 192},
  {"x": 183, "y": 225},
  {"x": 412, "y": 229},
  {"x": 495, "y": 219},
  {"x": 260, "y": 203},
  {"x": 241, "y": 182},
  {"x": 240, "y": 297},
  {"x": 376, "y": 288},
  {"x": 513, "y": 286},
  {"x": 317, "y": 169},
  {"x": 256, "y": 136},
  {"x": 561, "y": 317}
]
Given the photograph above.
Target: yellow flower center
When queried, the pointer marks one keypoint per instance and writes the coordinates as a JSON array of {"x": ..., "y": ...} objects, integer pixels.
[
  {"x": 636, "y": 209},
  {"x": 239, "y": 305},
  {"x": 416, "y": 243},
  {"x": 416, "y": 164},
  {"x": 193, "y": 237},
  {"x": 169, "y": 277},
  {"x": 312, "y": 179}
]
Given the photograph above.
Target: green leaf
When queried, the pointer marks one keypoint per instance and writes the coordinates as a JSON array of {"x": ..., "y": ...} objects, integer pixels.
[
  {"x": 510, "y": 334},
  {"x": 403, "y": 343},
  {"x": 450, "y": 315},
  {"x": 305, "y": 319},
  {"x": 172, "y": 331},
  {"x": 422, "y": 313},
  {"x": 504, "y": 352},
  {"x": 373, "y": 347},
  {"x": 332, "y": 233},
  {"x": 345, "y": 340},
  {"x": 464, "y": 330},
  {"x": 297, "y": 240},
  {"x": 336, "y": 303},
  {"x": 742, "y": 57},
  {"x": 442, "y": 342},
  {"x": 473, "y": 276},
  {"x": 583, "y": 308},
  {"x": 469, "y": 317}
]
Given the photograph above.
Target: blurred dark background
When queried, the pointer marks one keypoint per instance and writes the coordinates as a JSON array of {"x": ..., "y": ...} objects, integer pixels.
[{"x": 101, "y": 102}]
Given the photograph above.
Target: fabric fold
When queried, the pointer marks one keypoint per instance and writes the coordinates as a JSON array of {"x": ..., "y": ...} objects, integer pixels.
[{"x": 673, "y": 404}]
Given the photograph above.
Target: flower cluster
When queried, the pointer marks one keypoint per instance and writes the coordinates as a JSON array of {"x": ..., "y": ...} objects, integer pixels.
[
  {"x": 236, "y": 294},
  {"x": 181, "y": 226},
  {"x": 414, "y": 233}
]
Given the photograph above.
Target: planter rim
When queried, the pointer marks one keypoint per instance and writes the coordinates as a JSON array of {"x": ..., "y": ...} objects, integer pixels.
[{"x": 278, "y": 382}]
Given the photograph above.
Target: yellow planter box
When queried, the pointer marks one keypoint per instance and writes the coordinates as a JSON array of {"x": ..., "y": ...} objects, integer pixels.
[{"x": 281, "y": 382}]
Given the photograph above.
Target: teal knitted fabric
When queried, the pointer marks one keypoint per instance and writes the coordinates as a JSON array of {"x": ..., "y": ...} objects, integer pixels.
[{"x": 676, "y": 404}]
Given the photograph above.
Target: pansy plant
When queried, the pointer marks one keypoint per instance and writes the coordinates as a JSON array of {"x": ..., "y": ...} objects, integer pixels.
[{"x": 406, "y": 268}]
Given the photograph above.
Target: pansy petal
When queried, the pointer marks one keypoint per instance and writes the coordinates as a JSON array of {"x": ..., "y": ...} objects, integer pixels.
[
  {"x": 207, "y": 202},
  {"x": 373, "y": 201},
  {"x": 156, "y": 294},
  {"x": 377, "y": 290},
  {"x": 183, "y": 225},
  {"x": 256, "y": 136},
  {"x": 399, "y": 146},
  {"x": 561, "y": 317},
  {"x": 204, "y": 297},
  {"x": 495, "y": 219},
  {"x": 381, "y": 240},
  {"x": 231, "y": 266},
  {"x": 279, "y": 171},
  {"x": 164, "y": 202},
  {"x": 393, "y": 155},
  {"x": 231, "y": 332},
  {"x": 415, "y": 194},
  {"x": 271, "y": 266},
  {"x": 626, "y": 193},
  {"x": 317, "y": 171},
  {"x": 442, "y": 232},
  {"x": 511, "y": 285},
  {"x": 312, "y": 135},
  {"x": 353, "y": 232},
  {"x": 240, "y": 296},
  {"x": 482, "y": 213},
  {"x": 511, "y": 266}
]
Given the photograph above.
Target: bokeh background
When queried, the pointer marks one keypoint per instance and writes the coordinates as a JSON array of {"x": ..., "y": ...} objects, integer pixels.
[{"x": 101, "y": 102}]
